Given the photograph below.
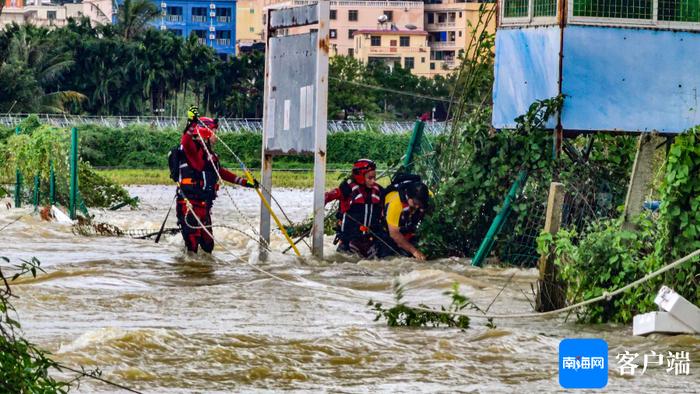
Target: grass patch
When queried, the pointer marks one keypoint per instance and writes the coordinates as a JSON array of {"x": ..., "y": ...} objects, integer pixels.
[{"x": 291, "y": 179}]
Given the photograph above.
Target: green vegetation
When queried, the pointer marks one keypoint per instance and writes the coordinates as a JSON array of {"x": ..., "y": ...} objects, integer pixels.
[
  {"x": 401, "y": 315},
  {"x": 280, "y": 178},
  {"x": 141, "y": 147},
  {"x": 131, "y": 68},
  {"x": 606, "y": 257},
  {"x": 24, "y": 368},
  {"x": 37, "y": 148}
]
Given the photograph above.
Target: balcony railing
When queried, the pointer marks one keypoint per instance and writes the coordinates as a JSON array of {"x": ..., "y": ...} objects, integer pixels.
[
  {"x": 367, "y": 4},
  {"x": 442, "y": 44},
  {"x": 202, "y": 41},
  {"x": 173, "y": 18},
  {"x": 223, "y": 42},
  {"x": 199, "y": 18},
  {"x": 223, "y": 19},
  {"x": 375, "y": 50},
  {"x": 441, "y": 25}
]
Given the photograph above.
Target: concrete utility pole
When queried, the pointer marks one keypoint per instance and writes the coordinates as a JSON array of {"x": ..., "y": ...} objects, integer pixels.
[
  {"x": 551, "y": 293},
  {"x": 640, "y": 181}
]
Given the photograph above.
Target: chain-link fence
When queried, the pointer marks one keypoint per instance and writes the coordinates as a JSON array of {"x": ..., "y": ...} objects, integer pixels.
[{"x": 228, "y": 125}]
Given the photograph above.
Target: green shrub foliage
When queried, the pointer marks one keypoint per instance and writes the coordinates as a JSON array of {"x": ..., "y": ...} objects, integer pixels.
[{"x": 606, "y": 257}]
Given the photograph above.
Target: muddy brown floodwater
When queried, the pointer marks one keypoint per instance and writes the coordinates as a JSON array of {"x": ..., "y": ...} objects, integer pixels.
[{"x": 152, "y": 318}]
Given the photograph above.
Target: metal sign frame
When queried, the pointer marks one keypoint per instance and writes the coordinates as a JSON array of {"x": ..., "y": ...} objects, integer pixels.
[{"x": 278, "y": 21}]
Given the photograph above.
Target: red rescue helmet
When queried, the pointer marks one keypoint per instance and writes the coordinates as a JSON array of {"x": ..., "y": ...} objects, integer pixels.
[
  {"x": 205, "y": 127},
  {"x": 360, "y": 168}
]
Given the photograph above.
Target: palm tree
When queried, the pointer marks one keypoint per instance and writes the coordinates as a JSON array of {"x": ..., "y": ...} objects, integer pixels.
[
  {"x": 28, "y": 51},
  {"x": 133, "y": 16}
]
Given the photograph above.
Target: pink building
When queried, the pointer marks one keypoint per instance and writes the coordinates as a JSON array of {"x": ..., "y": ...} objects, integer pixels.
[{"x": 349, "y": 16}]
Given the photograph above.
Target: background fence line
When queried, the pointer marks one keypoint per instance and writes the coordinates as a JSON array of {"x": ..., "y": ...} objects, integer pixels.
[{"x": 228, "y": 125}]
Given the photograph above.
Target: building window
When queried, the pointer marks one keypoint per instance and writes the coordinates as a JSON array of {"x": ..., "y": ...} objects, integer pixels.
[
  {"x": 352, "y": 15},
  {"x": 405, "y": 41},
  {"x": 223, "y": 15},
  {"x": 199, "y": 14},
  {"x": 431, "y": 17},
  {"x": 389, "y": 16},
  {"x": 51, "y": 15},
  {"x": 351, "y": 33},
  {"x": 223, "y": 37},
  {"x": 333, "y": 33},
  {"x": 422, "y": 60},
  {"x": 460, "y": 14},
  {"x": 173, "y": 14},
  {"x": 376, "y": 41},
  {"x": 432, "y": 66},
  {"x": 252, "y": 10},
  {"x": 251, "y": 29},
  {"x": 392, "y": 43},
  {"x": 408, "y": 63},
  {"x": 351, "y": 52},
  {"x": 201, "y": 36},
  {"x": 334, "y": 15}
]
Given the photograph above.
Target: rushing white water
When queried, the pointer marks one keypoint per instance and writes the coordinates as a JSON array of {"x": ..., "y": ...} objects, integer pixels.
[{"x": 155, "y": 319}]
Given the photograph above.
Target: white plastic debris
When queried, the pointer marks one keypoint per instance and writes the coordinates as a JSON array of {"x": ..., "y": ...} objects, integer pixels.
[
  {"x": 659, "y": 322},
  {"x": 680, "y": 316},
  {"x": 679, "y": 307},
  {"x": 60, "y": 216}
]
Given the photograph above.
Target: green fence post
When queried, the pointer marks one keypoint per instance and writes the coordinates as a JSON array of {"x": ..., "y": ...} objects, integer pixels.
[
  {"x": 52, "y": 185},
  {"x": 497, "y": 224},
  {"x": 73, "y": 172},
  {"x": 36, "y": 192},
  {"x": 18, "y": 181},
  {"x": 413, "y": 144}
]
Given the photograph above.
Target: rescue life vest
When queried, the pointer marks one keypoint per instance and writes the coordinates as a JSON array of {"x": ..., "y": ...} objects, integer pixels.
[
  {"x": 194, "y": 185},
  {"x": 360, "y": 211},
  {"x": 408, "y": 222}
]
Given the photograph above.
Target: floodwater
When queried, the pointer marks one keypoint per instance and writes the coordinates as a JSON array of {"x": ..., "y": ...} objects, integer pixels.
[{"x": 159, "y": 321}]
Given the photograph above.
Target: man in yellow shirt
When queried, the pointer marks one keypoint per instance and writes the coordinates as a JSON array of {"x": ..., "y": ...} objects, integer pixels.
[{"x": 405, "y": 207}]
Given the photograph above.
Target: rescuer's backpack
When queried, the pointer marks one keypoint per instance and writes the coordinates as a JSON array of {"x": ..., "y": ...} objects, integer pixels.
[
  {"x": 174, "y": 163},
  {"x": 400, "y": 181}
]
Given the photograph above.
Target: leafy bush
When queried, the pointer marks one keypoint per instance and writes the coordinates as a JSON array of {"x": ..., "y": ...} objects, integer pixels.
[
  {"x": 24, "y": 368},
  {"x": 37, "y": 148},
  {"x": 607, "y": 257},
  {"x": 138, "y": 146}
]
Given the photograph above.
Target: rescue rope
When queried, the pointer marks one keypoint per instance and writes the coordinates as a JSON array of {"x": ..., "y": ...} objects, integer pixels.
[
  {"x": 351, "y": 294},
  {"x": 251, "y": 180}
]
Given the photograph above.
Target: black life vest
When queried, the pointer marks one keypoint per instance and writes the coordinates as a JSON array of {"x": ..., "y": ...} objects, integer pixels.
[
  {"x": 360, "y": 211},
  {"x": 198, "y": 185},
  {"x": 408, "y": 222}
]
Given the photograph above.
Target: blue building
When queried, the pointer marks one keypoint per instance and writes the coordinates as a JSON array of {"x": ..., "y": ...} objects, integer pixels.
[
  {"x": 622, "y": 65},
  {"x": 213, "y": 22}
]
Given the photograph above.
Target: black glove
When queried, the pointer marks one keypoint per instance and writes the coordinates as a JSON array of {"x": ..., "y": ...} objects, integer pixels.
[{"x": 254, "y": 185}]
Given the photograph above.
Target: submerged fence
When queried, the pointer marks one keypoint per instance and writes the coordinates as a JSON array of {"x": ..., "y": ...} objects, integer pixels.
[{"x": 230, "y": 125}]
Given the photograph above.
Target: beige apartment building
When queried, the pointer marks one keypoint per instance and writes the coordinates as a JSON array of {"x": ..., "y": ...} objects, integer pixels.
[
  {"x": 44, "y": 13},
  {"x": 450, "y": 25},
  {"x": 408, "y": 48},
  {"x": 249, "y": 22},
  {"x": 443, "y": 24},
  {"x": 350, "y": 16}
]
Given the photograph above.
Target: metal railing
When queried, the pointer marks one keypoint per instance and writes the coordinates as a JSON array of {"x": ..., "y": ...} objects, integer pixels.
[
  {"x": 173, "y": 18},
  {"x": 442, "y": 44},
  {"x": 228, "y": 125},
  {"x": 199, "y": 18}
]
